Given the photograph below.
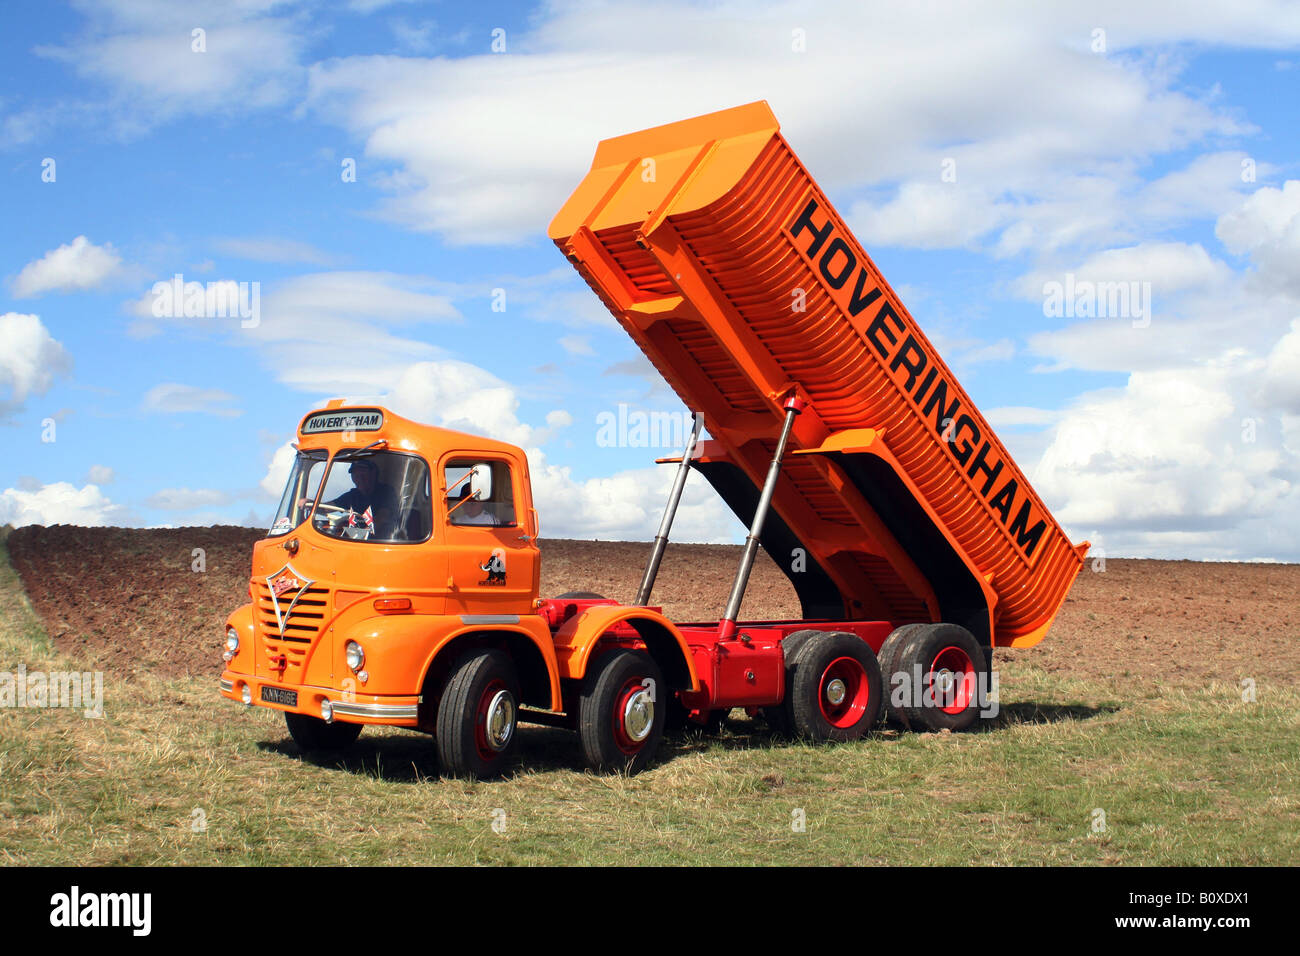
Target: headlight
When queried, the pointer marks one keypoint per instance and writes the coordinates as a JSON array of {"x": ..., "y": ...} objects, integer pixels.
[
  {"x": 326, "y": 711},
  {"x": 232, "y": 640},
  {"x": 354, "y": 655}
]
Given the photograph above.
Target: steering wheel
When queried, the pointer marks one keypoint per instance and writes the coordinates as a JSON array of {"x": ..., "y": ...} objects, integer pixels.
[{"x": 333, "y": 515}]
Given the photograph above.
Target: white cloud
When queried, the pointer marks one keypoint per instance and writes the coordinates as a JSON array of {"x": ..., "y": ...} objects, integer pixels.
[
  {"x": 559, "y": 418},
  {"x": 1207, "y": 187},
  {"x": 1281, "y": 387},
  {"x": 1177, "y": 463},
  {"x": 277, "y": 471},
  {"x": 142, "y": 55},
  {"x": 1201, "y": 310},
  {"x": 73, "y": 267},
  {"x": 626, "y": 505},
  {"x": 1266, "y": 227},
  {"x": 60, "y": 503},
  {"x": 1170, "y": 267},
  {"x": 1198, "y": 453},
  {"x": 334, "y": 333},
  {"x": 1010, "y": 91},
  {"x": 576, "y": 344},
  {"x": 962, "y": 352},
  {"x": 186, "y": 499},
  {"x": 30, "y": 359},
  {"x": 929, "y": 216},
  {"x": 1010, "y": 416},
  {"x": 464, "y": 397},
  {"x": 272, "y": 249},
  {"x": 171, "y": 397},
  {"x": 100, "y": 475},
  {"x": 370, "y": 6}
]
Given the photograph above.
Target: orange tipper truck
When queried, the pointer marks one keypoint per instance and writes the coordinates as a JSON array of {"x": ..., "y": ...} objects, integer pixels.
[{"x": 399, "y": 583}]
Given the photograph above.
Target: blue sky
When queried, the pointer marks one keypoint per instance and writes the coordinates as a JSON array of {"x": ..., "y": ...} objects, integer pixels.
[{"x": 1112, "y": 156}]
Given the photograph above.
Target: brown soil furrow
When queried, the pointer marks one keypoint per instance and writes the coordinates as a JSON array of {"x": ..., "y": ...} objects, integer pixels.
[{"x": 128, "y": 600}]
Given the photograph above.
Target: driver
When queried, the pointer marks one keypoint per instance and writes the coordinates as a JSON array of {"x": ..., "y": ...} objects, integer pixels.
[{"x": 369, "y": 492}]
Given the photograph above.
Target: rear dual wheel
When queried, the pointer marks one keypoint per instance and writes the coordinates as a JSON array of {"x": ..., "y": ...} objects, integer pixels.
[
  {"x": 832, "y": 687},
  {"x": 836, "y": 692},
  {"x": 779, "y": 716},
  {"x": 933, "y": 675}
]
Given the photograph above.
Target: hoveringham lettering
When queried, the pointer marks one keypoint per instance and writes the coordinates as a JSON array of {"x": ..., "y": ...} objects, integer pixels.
[
  {"x": 357, "y": 421},
  {"x": 853, "y": 288}
]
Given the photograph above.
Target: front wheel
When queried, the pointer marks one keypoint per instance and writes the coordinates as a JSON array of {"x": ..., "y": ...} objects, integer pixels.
[
  {"x": 313, "y": 735},
  {"x": 478, "y": 715},
  {"x": 621, "y": 714}
]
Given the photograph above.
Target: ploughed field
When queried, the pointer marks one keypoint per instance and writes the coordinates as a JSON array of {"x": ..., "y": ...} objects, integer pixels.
[{"x": 131, "y": 600}]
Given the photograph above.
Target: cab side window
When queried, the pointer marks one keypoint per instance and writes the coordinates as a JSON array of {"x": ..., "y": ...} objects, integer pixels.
[{"x": 480, "y": 493}]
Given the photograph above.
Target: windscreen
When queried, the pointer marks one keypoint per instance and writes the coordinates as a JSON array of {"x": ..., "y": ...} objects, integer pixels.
[
  {"x": 299, "y": 491},
  {"x": 375, "y": 496}
]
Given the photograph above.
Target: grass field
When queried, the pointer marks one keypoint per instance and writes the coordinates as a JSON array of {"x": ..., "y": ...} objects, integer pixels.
[{"x": 174, "y": 774}]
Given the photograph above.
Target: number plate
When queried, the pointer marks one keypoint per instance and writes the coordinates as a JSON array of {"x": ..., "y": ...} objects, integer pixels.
[{"x": 278, "y": 695}]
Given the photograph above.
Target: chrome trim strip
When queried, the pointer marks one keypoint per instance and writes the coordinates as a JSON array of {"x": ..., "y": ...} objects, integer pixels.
[
  {"x": 227, "y": 684},
  {"x": 489, "y": 618},
  {"x": 395, "y": 711}
]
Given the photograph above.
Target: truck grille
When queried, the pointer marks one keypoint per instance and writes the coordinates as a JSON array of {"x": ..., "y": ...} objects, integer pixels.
[{"x": 301, "y": 625}]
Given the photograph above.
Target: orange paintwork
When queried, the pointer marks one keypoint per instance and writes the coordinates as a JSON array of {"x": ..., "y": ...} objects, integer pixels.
[
  {"x": 577, "y": 637},
  {"x": 716, "y": 251},
  {"x": 442, "y": 578}
]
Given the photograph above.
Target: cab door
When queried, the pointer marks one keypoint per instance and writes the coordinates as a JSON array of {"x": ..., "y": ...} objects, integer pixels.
[{"x": 492, "y": 553}]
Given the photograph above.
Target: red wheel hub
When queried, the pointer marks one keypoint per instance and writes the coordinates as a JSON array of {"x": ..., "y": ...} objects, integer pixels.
[
  {"x": 843, "y": 692},
  {"x": 494, "y": 722},
  {"x": 633, "y": 716},
  {"x": 951, "y": 681}
]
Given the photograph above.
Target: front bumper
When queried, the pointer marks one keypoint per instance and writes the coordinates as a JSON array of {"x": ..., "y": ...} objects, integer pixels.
[{"x": 393, "y": 711}]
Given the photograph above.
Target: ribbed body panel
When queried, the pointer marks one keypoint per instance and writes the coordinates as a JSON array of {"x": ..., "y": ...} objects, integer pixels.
[{"x": 776, "y": 291}]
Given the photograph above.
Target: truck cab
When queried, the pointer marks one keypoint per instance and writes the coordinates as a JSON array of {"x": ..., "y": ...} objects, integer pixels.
[{"x": 401, "y": 566}]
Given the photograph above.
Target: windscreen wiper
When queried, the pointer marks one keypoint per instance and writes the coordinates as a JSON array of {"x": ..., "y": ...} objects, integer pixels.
[{"x": 360, "y": 452}]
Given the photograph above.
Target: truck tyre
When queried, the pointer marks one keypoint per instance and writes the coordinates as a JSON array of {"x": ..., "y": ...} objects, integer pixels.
[
  {"x": 313, "y": 735},
  {"x": 478, "y": 715},
  {"x": 621, "y": 713},
  {"x": 890, "y": 658},
  {"x": 950, "y": 661},
  {"x": 580, "y": 596},
  {"x": 836, "y": 692},
  {"x": 779, "y": 716}
]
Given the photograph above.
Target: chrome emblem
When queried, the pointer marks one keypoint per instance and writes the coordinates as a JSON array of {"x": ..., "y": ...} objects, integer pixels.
[
  {"x": 285, "y": 582},
  {"x": 281, "y": 583}
]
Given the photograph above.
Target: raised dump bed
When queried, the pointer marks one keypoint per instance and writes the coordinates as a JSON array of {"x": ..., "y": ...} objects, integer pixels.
[{"x": 714, "y": 248}]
